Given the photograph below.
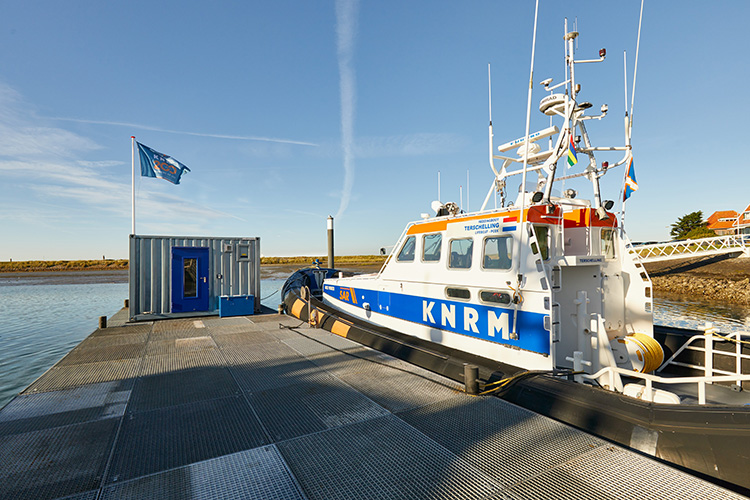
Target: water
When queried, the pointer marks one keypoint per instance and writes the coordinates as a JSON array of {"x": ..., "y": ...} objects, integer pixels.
[
  {"x": 45, "y": 315},
  {"x": 40, "y": 323}
]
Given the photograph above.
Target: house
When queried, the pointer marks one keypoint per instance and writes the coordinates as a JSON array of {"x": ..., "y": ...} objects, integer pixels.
[
  {"x": 743, "y": 221},
  {"x": 725, "y": 221}
]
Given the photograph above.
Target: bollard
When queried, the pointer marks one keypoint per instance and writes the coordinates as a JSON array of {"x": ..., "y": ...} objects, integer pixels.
[
  {"x": 471, "y": 376},
  {"x": 330, "y": 242},
  {"x": 281, "y": 308},
  {"x": 127, "y": 303},
  {"x": 102, "y": 322}
]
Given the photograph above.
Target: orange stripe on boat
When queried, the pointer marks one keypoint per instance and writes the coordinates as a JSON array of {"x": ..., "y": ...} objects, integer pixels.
[{"x": 441, "y": 225}]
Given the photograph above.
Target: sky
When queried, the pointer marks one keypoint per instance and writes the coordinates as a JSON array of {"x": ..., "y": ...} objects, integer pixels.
[{"x": 289, "y": 111}]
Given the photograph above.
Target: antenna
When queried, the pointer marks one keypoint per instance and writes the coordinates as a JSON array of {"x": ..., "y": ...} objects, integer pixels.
[
  {"x": 438, "y": 185},
  {"x": 528, "y": 116},
  {"x": 635, "y": 70},
  {"x": 467, "y": 189},
  {"x": 625, "y": 77},
  {"x": 489, "y": 88}
]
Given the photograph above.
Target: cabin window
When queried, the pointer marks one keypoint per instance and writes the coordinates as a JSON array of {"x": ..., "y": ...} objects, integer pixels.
[
  {"x": 542, "y": 239},
  {"x": 608, "y": 243},
  {"x": 494, "y": 297},
  {"x": 458, "y": 293},
  {"x": 431, "y": 247},
  {"x": 190, "y": 278},
  {"x": 498, "y": 252},
  {"x": 461, "y": 253},
  {"x": 407, "y": 251}
]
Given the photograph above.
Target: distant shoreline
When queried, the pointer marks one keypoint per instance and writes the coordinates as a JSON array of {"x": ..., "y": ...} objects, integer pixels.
[
  {"x": 122, "y": 264},
  {"x": 725, "y": 280}
]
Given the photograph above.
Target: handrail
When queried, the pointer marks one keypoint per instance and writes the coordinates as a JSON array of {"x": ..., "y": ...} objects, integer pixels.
[
  {"x": 650, "y": 379},
  {"x": 691, "y": 248}
]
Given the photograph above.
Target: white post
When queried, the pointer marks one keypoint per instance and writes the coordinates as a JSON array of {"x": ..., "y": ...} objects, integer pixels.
[
  {"x": 578, "y": 365},
  {"x": 708, "y": 362},
  {"x": 738, "y": 353},
  {"x": 132, "y": 184}
]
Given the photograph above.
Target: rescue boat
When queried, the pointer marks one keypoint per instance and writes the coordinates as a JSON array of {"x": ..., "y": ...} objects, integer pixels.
[{"x": 545, "y": 293}]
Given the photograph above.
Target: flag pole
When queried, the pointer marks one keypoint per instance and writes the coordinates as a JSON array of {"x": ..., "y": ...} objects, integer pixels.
[{"x": 132, "y": 184}]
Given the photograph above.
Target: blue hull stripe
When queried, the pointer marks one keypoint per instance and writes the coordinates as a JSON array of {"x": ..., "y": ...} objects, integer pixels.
[{"x": 474, "y": 320}]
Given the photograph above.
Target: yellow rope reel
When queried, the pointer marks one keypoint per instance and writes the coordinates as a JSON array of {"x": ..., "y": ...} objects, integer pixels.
[{"x": 646, "y": 354}]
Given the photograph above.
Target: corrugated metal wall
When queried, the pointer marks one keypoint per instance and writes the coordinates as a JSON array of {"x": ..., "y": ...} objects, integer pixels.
[{"x": 151, "y": 268}]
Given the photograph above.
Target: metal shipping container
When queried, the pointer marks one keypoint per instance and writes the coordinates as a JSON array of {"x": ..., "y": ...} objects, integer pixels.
[{"x": 172, "y": 276}]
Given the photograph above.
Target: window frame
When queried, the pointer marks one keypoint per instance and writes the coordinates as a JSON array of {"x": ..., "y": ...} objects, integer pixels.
[
  {"x": 489, "y": 302},
  {"x": 467, "y": 299},
  {"x": 403, "y": 247},
  {"x": 440, "y": 247},
  {"x": 470, "y": 253},
  {"x": 484, "y": 252}
]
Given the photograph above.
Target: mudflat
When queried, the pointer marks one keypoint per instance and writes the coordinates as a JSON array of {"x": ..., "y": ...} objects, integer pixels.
[{"x": 725, "y": 279}]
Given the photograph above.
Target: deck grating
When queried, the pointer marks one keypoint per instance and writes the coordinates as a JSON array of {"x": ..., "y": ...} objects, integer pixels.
[
  {"x": 396, "y": 390},
  {"x": 190, "y": 344},
  {"x": 381, "y": 458},
  {"x": 185, "y": 386},
  {"x": 55, "y": 409},
  {"x": 241, "y": 408},
  {"x": 506, "y": 442},
  {"x": 175, "y": 361},
  {"x": 56, "y": 462},
  {"x": 258, "y": 474},
  {"x": 130, "y": 329},
  {"x": 220, "y": 323},
  {"x": 105, "y": 353},
  {"x": 67, "y": 377},
  {"x": 243, "y": 338},
  {"x": 301, "y": 409},
  {"x": 591, "y": 476},
  {"x": 163, "y": 439},
  {"x": 92, "y": 342}
]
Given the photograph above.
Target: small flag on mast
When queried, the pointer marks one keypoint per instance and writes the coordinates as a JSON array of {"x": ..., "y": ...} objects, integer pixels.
[
  {"x": 572, "y": 157},
  {"x": 156, "y": 164},
  {"x": 631, "y": 185}
]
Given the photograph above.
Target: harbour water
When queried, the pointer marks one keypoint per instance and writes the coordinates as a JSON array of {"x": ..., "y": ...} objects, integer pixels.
[{"x": 45, "y": 315}]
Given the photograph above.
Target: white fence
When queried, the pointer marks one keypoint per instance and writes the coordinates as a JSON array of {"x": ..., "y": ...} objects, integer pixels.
[{"x": 685, "y": 249}]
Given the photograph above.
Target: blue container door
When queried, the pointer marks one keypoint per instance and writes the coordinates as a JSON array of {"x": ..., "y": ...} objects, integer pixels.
[{"x": 189, "y": 279}]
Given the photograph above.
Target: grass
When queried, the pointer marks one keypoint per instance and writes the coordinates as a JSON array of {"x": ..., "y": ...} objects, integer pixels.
[{"x": 122, "y": 264}]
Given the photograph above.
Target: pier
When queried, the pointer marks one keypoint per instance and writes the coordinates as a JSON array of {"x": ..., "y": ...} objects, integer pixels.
[
  {"x": 730, "y": 245},
  {"x": 265, "y": 407}
]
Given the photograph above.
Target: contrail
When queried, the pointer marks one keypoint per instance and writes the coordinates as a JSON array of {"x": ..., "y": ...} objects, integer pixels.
[
  {"x": 346, "y": 27},
  {"x": 182, "y": 132}
]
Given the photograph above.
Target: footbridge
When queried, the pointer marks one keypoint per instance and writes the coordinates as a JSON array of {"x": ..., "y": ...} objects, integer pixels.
[{"x": 685, "y": 249}]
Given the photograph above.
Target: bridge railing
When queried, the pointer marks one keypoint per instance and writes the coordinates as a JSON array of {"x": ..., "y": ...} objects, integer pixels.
[{"x": 692, "y": 248}]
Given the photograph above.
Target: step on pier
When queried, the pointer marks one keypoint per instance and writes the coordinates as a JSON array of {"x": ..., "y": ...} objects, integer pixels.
[{"x": 263, "y": 407}]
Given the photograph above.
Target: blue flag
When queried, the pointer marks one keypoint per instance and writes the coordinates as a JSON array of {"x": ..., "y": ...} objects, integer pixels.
[
  {"x": 155, "y": 164},
  {"x": 631, "y": 185}
]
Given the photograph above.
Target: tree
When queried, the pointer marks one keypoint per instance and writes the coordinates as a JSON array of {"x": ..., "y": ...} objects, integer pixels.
[{"x": 686, "y": 224}]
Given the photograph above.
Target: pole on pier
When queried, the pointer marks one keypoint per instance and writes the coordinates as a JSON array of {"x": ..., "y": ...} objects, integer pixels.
[
  {"x": 102, "y": 322},
  {"x": 471, "y": 376},
  {"x": 330, "y": 242}
]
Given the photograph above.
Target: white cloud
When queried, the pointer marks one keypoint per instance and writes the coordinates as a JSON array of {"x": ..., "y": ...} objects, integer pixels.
[
  {"x": 183, "y": 132},
  {"x": 346, "y": 27}
]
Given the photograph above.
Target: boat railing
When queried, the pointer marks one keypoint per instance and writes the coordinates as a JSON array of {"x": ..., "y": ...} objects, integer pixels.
[
  {"x": 650, "y": 380},
  {"x": 708, "y": 337},
  {"x": 710, "y": 375}
]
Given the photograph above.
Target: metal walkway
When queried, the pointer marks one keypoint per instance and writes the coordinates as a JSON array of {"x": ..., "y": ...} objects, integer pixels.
[
  {"x": 685, "y": 249},
  {"x": 240, "y": 408}
]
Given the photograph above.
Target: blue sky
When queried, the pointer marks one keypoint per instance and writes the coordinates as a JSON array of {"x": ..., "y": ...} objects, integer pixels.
[{"x": 289, "y": 111}]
